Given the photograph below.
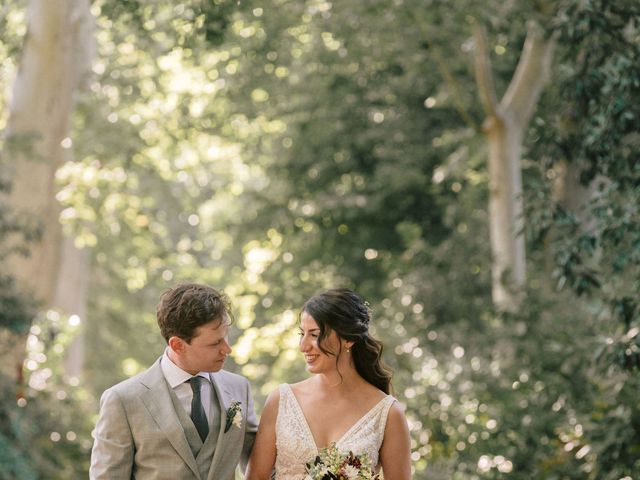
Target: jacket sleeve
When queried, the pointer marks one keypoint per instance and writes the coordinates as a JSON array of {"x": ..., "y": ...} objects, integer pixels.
[
  {"x": 251, "y": 427},
  {"x": 113, "y": 448}
]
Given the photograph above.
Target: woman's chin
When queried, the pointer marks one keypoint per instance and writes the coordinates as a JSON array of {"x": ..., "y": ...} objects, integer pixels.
[{"x": 312, "y": 368}]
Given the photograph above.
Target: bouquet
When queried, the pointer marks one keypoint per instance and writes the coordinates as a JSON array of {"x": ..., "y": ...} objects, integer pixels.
[{"x": 332, "y": 464}]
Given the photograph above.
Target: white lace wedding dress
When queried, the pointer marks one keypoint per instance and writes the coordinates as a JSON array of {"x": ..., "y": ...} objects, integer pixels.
[{"x": 295, "y": 444}]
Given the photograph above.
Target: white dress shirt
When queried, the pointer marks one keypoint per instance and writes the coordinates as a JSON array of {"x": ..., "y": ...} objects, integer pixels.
[{"x": 176, "y": 378}]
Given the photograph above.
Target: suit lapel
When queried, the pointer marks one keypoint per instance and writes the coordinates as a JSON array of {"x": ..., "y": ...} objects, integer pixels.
[
  {"x": 157, "y": 399},
  {"x": 224, "y": 399}
]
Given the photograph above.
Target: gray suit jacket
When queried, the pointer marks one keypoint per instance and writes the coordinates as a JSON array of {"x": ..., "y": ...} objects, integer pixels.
[{"x": 138, "y": 434}]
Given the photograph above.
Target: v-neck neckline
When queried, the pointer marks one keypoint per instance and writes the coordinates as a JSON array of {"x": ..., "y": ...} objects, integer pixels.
[{"x": 298, "y": 408}]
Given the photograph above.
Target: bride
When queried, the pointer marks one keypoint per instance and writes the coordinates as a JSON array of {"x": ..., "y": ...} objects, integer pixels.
[{"x": 345, "y": 402}]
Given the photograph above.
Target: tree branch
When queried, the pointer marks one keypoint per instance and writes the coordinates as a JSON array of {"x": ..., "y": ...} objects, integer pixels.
[
  {"x": 531, "y": 74},
  {"x": 484, "y": 78}
]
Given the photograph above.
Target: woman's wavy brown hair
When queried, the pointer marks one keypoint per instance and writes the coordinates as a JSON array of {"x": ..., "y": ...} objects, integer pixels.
[{"x": 347, "y": 314}]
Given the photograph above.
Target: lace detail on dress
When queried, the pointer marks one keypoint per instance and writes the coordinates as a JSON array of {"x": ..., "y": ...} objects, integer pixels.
[{"x": 295, "y": 444}]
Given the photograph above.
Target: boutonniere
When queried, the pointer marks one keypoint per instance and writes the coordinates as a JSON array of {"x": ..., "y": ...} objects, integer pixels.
[{"x": 234, "y": 416}]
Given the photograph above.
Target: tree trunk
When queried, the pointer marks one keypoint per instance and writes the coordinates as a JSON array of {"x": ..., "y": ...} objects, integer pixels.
[
  {"x": 55, "y": 62},
  {"x": 506, "y": 219},
  {"x": 571, "y": 194},
  {"x": 573, "y": 197},
  {"x": 505, "y": 126}
]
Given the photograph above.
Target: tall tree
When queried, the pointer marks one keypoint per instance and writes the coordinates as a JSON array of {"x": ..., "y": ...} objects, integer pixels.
[
  {"x": 55, "y": 62},
  {"x": 505, "y": 127}
]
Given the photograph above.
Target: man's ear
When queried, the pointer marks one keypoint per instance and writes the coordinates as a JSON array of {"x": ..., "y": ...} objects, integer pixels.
[{"x": 176, "y": 344}]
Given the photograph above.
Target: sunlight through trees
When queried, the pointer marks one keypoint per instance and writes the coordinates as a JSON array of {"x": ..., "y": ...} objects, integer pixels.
[{"x": 276, "y": 149}]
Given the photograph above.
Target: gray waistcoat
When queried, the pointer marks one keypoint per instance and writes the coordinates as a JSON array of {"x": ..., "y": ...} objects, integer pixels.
[{"x": 203, "y": 452}]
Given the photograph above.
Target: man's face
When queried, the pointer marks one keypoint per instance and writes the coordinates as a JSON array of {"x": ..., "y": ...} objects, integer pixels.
[{"x": 207, "y": 350}]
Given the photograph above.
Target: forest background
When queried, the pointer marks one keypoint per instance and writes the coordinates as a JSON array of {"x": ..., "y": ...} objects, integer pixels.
[{"x": 470, "y": 168}]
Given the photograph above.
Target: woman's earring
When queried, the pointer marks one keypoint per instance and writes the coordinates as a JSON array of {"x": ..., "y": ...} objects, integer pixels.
[{"x": 348, "y": 350}]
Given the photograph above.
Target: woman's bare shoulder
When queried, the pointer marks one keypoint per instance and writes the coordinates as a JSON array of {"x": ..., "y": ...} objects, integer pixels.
[{"x": 396, "y": 419}]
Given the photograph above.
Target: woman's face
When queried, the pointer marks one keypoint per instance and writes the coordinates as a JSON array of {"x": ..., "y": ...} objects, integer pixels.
[{"x": 317, "y": 361}]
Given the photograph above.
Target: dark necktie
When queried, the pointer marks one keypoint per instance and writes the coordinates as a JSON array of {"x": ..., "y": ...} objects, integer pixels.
[{"x": 197, "y": 410}]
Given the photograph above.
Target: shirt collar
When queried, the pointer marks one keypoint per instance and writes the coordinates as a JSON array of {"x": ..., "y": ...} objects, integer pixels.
[{"x": 174, "y": 374}]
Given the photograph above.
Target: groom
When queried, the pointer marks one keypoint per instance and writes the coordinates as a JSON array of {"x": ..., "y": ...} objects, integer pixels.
[{"x": 185, "y": 417}]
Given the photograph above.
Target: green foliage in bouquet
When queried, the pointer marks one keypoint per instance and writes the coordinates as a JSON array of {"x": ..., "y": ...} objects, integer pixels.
[{"x": 334, "y": 464}]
